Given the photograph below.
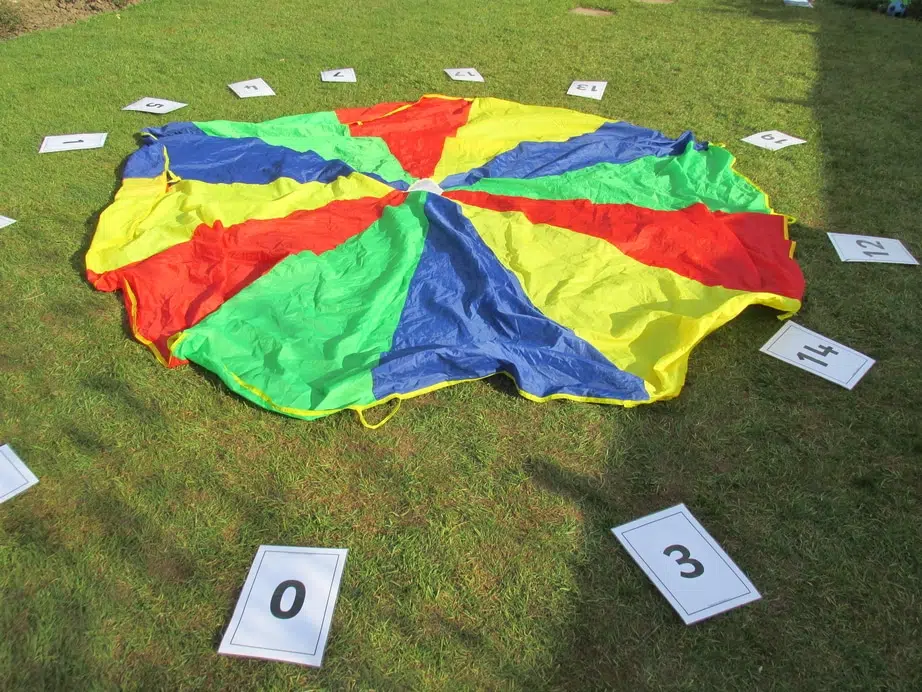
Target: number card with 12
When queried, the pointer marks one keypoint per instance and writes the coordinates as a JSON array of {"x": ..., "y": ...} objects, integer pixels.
[
  {"x": 686, "y": 564},
  {"x": 867, "y": 248}
]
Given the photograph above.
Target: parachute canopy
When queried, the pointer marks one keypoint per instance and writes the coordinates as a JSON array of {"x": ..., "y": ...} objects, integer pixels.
[{"x": 336, "y": 260}]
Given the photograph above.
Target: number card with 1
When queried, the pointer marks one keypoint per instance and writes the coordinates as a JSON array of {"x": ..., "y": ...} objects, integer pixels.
[
  {"x": 464, "y": 74},
  {"x": 867, "y": 248},
  {"x": 251, "y": 87},
  {"x": 346, "y": 74},
  {"x": 589, "y": 90},
  {"x": 286, "y": 605},
  {"x": 815, "y": 353},
  {"x": 148, "y": 104},
  {"x": 54, "y": 143},
  {"x": 773, "y": 140},
  {"x": 6, "y": 221},
  {"x": 686, "y": 564},
  {"x": 15, "y": 476}
]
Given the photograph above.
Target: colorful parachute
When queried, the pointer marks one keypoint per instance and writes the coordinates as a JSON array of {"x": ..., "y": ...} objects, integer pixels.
[{"x": 337, "y": 260}]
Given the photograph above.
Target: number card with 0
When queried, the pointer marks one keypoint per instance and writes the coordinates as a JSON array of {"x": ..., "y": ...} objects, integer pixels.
[
  {"x": 15, "y": 476},
  {"x": 345, "y": 74},
  {"x": 867, "y": 248},
  {"x": 686, "y": 564},
  {"x": 815, "y": 353},
  {"x": 589, "y": 90},
  {"x": 286, "y": 605},
  {"x": 773, "y": 140}
]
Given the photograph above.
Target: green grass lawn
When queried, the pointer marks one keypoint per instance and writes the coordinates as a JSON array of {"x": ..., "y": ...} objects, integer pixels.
[{"x": 477, "y": 522}]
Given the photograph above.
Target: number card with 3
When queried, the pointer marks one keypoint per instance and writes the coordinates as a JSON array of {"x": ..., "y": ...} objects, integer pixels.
[
  {"x": 15, "y": 476},
  {"x": 773, "y": 140},
  {"x": 686, "y": 564},
  {"x": 867, "y": 248},
  {"x": 464, "y": 74},
  {"x": 345, "y": 74},
  {"x": 286, "y": 605},
  {"x": 815, "y": 353},
  {"x": 589, "y": 90}
]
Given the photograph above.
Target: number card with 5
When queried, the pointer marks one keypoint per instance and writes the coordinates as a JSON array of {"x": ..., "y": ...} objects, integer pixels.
[
  {"x": 686, "y": 564},
  {"x": 286, "y": 605},
  {"x": 868, "y": 248},
  {"x": 815, "y": 353}
]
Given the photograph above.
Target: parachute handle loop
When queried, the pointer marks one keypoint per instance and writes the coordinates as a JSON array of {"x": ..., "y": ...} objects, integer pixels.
[{"x": 361, "y": 414}]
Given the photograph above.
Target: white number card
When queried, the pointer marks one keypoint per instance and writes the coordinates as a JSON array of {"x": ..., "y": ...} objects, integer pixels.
[
  {"x": 6, "y": 221},
  {"x": 153, "y": 105},
  {"x": 867, "y": 248},
  {"x": 286, "y": 606},
  {"x": 54, "y": 143},
  {"x": 773, "y": 140},
  {"x": 15, "y": 477},
  {"x": 464, "y": 74},
  {"x": 686, "y": 564},
  {"x": 251, "y": 87},
  {"x": 815, "y": 353},
  {"x": 346, "y": 74},
  {"x": 589, "y": 90},
  {"x": 799, "y": 3}
]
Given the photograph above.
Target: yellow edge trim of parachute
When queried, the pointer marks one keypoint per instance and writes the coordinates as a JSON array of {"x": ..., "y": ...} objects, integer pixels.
[
  {"x": 360, "y": 410},
  {"x": 133, "y": 321}
]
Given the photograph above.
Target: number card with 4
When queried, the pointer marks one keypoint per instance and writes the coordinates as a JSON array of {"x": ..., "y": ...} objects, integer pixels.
[
  {"x": 251, "y": 87},
  {"x": 815, "y": 353},
  {"x": 464, "y": 74},
  {"x": 286, "y": 605},
  {"x": 148, "y": 104},
  {"x": 15, "y": 476},
  {"x": 773, "y": 140},
  {"x": 867, "y": 248},
  {"x": 686, "y": 564},
  {"x": 589, "y": 90},
  {"x": 346, "y": 74}
]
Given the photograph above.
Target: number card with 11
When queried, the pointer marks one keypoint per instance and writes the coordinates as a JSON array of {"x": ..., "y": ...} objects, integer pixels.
[
  {"x": 286, "y": 605},
  {"x": 686, "y": 564}
]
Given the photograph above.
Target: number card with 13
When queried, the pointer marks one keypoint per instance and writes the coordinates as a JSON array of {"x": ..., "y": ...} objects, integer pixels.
[{"x": 686, "y": 564}]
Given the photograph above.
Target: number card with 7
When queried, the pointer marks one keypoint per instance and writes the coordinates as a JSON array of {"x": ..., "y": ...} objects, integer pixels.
[
  {"x": 815, "y": 353},
  {"x": 686, "y": 564},
  {"x": 286, "y": 605}
]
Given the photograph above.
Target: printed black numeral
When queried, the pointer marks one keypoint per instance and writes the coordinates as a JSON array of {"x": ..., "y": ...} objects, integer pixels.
[{"x": 275, "y": 604}]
